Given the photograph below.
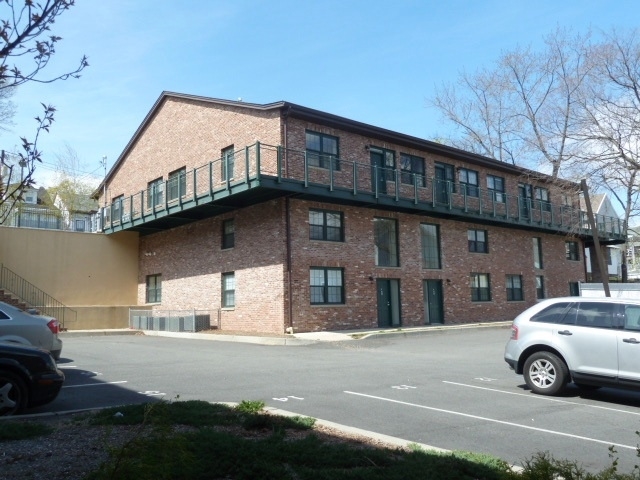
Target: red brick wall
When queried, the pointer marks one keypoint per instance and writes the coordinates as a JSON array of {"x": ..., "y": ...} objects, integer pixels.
[
  {"x": 191, "y": 261},
  {"x": 187, "y": 133},
  {"x": 510, "y": 253}
]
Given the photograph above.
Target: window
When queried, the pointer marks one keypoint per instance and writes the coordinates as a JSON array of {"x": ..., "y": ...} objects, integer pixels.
[
  {"x": 228, "y": 290},
  {"x": 177, "y": 184},
  {"x": 480, "y": 287},
  {"x": 322, "y": 149},
  {"x": 326, "y": 225},
  {"x": 386, "y": 242},
  {"x": 555, "y": 313},
  {"x": 495, "y": 185},
  {"x": 595, "y": 314},
  {"x": 540, "y": 287},
  {"x": 412, "y": 170},
  {"x": 116, "y": 208},
  {"x": 478, "y": 241},
  {"x": 228, "y": 162},
  {"x": 228, "y": 233},
  {"x": 631, "y": 317},
  {"x": 537, "y": 252},
  {"x": 80, "y": 225},
  {"x": 574, "y": 289},
  {"x": 514, "y": 288},
  {"x": 571, "y": 250},
  {"x": 154, "y": 288},
  {"x": 326, "y": 286},
  {"x": 155, "y": 193},
  {"x": 468, "y": 181},
  {"x": 542, "y": 195},
  {"x": 430, "y": 235}
]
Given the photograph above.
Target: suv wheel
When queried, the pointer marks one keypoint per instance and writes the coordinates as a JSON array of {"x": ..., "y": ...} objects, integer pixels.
[
  {"x": 545, "y": 373},
  {"x": 13, "y": 394}
]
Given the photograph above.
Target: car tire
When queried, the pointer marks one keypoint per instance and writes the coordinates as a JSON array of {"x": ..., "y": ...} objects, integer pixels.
[
  {"x": 545, "y": 373},
  {"x": 13, "y": 394}
]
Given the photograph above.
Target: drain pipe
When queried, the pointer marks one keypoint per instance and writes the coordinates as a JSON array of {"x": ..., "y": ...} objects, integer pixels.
[{"x": 287, "y": 220}]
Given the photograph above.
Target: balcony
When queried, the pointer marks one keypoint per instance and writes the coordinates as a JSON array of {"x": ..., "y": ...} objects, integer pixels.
[{"x": 260, "y": 172}]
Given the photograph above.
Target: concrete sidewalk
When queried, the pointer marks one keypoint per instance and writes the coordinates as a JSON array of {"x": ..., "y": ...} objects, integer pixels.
[{"x": 290, "y": 339}]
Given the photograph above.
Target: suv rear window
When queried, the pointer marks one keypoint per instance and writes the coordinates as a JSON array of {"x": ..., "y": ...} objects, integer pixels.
[
  {"x": 592, "y": 314},
  {"x": 555, "y": 313}
]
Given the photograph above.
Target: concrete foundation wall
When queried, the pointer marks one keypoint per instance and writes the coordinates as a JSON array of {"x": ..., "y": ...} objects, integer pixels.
[{"x": 96, "y": 275}]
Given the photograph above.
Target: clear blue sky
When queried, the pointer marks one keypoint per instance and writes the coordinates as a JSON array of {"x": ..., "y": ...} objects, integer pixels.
[{"x": 369, "y": 60}]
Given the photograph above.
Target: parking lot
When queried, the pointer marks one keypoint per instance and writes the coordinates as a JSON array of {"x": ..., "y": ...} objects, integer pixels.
[{"x": 450, "y": 389}]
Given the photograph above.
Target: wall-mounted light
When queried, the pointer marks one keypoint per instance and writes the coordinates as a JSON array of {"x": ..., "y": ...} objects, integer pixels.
[{"x": 448, "y": 281}]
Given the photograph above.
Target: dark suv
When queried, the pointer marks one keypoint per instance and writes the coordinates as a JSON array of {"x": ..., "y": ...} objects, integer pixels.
[
  {"x": 593, "y": 342},
  {"x": 29, "y": 377}
]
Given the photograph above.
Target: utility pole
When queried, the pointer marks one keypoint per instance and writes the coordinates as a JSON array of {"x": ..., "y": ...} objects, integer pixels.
[{"x": 596, "y": 240}]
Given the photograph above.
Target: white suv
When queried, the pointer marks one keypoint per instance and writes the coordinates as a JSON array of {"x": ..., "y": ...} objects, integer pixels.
[{"x": 593, "y": 342}]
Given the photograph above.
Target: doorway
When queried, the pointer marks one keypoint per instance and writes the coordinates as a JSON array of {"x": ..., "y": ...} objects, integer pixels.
[
  {"x": 388, "y": 302},
  {"x": 433, "y": 302},
  {"x": 378, "y": 172}
]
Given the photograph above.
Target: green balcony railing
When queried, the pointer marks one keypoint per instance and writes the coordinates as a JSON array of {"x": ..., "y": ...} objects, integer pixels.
[{"x": 325, "y": 175}]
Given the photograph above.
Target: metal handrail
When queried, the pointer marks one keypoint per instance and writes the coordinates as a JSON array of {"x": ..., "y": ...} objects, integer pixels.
[
  {"x": 206, "y": 182},
  {"x": 35, "y": 298}
]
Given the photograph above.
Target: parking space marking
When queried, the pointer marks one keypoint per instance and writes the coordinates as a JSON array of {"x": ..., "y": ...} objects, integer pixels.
[
  {"x": 94, "y": 384},
  {"x": 543, "y": 398},
  {"x": 493, "y": 420}
]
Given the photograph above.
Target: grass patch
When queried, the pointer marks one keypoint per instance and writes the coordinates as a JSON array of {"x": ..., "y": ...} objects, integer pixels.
[
  {"x": 13, "y": 430},
  {"x": 245, "y": 442}
]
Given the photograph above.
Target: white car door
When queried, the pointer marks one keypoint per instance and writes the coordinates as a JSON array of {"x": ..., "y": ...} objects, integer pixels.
[{"x": 629, "y": 346}]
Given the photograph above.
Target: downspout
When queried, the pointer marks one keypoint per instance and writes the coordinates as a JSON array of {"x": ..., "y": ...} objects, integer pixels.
[{"x": 287, "y": 223}]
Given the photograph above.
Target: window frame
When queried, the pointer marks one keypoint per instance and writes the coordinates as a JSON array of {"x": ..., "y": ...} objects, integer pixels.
[
  {"x": 227, "y": 159},
  {"x": 80, "y": 221},
  {"x": 177, "y": 184},
  {"x": 515, "y": 293},
  {"x": 325, "y": 228},
  {"x": 540, "y": 287},
  {"x": 155, "y": 193},
  {"x": 228, "y": 295},
  {"x": 415, "y": 170},
  {"x": 393, "y": 250},
  {"x": 498, "y": 195},
  {"x": 153, "y": 293},
  {"x": 541, "y": 195},
  {"x": 475, "y": 245},
  {"x": 228, "y": 234},
  {"x": 480, "y": 293},
  {"x": 324, "y": 288},
  {"x": 466, "y": 186},
  {"x": 116, "y": 208},
  {"x": 429, "y": 260},
  {"x": 572, "y": 250},
  {"x": 537, "y": 253},
  {"x": 320, "y": 158}
]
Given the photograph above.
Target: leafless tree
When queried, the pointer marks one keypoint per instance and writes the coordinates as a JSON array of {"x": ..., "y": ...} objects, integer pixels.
[
  {"x": 521, "y": 111},
  {"x": 26, "y": 48}
]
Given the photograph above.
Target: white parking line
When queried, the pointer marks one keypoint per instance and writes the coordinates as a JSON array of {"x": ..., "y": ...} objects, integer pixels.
[
  {"x": 538, "y": 397},
  {"x": 493, "y": 420},
  {"x": 94, "y": 384}
]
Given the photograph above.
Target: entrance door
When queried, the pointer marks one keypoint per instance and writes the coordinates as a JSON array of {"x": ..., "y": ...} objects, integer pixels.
[
  {"x": 433, "y": 302},
  {"x": 378, "y": 172},
  {"x": 388, "y": 302},
  {"x": 525, "y": 194},
  {"x": 443, "y": 182}
]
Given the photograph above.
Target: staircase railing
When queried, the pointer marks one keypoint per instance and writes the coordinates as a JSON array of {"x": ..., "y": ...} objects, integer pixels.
[{"x": 35, "y": 298}]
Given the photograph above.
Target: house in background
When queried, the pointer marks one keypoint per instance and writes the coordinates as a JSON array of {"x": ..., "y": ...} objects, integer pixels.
[
  {"x": 34, "y": 210},
  {"x": 613, "y": 253},
  {"x": 278, "y": 217},
  {"x": 79, "y": 212}
]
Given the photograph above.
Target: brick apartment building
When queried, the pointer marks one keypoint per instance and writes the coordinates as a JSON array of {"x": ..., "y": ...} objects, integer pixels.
[{"x": 278, "y": 217}]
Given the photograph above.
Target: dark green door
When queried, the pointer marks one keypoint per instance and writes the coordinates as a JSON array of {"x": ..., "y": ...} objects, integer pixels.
[
  {"x": 525, "y": 195},
  {"x": 378, "y": 172},
  {"x": 388, "y": 302},
  {"x": 442, "y": 183},
  {"x": 433, "y": 302}
]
